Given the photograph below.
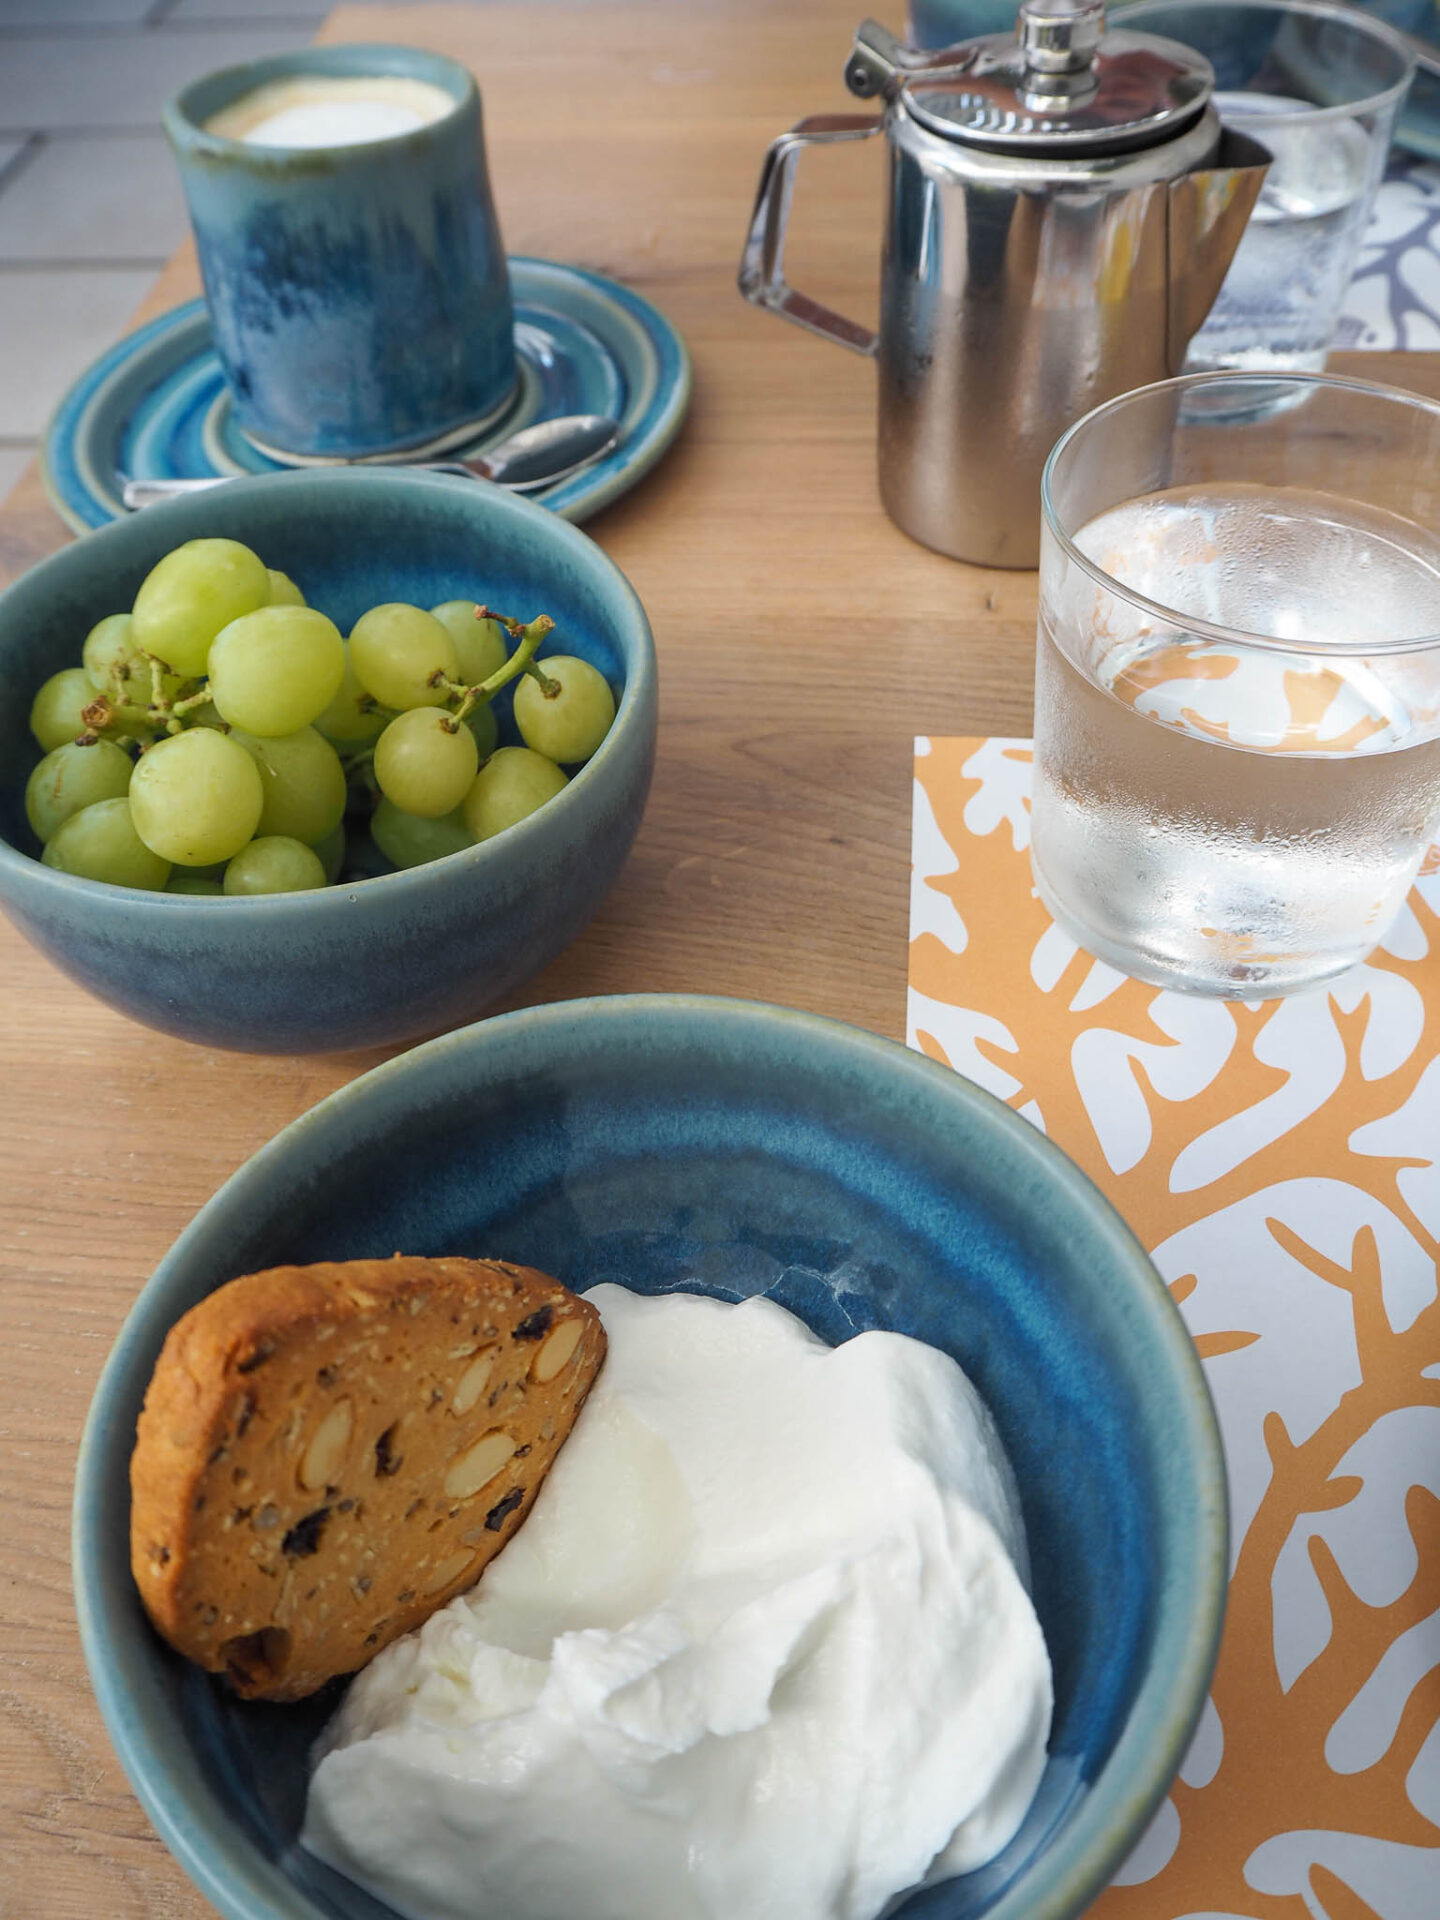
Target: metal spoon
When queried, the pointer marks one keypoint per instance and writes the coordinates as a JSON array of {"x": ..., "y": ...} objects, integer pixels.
[{"x": 535, "y": 457}]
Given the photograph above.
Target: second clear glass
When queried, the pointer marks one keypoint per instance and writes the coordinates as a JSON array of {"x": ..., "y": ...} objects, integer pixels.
[{"x": 1320, "y": 86}]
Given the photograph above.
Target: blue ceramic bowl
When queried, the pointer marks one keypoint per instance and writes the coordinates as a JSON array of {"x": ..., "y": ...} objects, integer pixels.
[
  {"x": 383, "y": 959},
  {"x": 715, "y": 1145}
]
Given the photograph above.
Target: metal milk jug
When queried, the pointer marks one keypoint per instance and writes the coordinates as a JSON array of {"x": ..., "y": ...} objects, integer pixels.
[{"x": 1063, "y": 205}]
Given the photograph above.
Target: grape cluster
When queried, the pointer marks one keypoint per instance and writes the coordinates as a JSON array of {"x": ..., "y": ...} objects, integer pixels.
[{"x": 222, "y": 737}]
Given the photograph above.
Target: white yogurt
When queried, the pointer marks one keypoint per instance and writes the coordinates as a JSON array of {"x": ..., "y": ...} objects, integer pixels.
[
  {"x": 331, "y": 110},
  {"x": 760, "y": 1652}
]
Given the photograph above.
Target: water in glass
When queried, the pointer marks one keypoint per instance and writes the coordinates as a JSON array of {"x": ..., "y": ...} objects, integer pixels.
[
  {"x": 1279, "y": 301},
  {"x": 1217, "y": 814}
]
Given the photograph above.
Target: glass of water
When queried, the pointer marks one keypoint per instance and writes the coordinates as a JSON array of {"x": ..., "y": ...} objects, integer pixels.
[
  {"x": 1237, "y": 697},
  {"x": 1319, "y": 85}
]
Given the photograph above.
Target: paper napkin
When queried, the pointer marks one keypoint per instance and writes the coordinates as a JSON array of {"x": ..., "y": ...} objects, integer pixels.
[{"x": 1281, "y": 1162}]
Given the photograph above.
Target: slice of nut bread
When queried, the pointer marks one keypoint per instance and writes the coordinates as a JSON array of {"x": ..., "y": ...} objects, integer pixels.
[{"x": 329, "y": 1453}]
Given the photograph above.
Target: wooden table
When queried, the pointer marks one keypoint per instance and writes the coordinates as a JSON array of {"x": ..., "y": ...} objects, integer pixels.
[{"x": 803, "y": 642}]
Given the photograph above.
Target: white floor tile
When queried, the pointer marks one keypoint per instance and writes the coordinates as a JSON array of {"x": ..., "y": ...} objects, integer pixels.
[
  {"x": 13, "y": 462},
  {"x": 73, "y": 13},
  {"x": 78, "y": 199},
  {"x": 60, "y": 81},
  {"x": 51, "y": 326},
  {"x": 239, "y": 11}
]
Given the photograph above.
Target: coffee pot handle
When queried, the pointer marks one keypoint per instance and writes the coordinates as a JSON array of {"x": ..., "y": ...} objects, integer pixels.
[{"x": 762, "y": 272}]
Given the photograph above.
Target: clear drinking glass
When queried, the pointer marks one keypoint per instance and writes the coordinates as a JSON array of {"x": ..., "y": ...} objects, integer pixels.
[
  {"x": 1237, "y": 698},
  {"x": 1319, "y": 85}
]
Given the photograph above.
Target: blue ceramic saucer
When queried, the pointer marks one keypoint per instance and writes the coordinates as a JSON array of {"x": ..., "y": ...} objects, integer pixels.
[{"x": 156, "y": 406}]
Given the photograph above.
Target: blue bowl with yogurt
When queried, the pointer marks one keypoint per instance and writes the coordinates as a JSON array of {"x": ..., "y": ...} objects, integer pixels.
[{"x": 686, "y": 1144}]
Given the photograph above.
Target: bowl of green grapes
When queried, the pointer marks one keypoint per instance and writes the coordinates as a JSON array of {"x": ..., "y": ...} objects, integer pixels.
[{"x": 319, "y": 760}]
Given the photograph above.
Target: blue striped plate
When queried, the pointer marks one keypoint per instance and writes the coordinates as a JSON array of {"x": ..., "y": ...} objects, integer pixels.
[{"x": 156, "y": 406}]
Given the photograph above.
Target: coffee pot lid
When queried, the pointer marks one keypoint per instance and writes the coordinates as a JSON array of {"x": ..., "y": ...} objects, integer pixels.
[{"x": 1059, "y": 84}]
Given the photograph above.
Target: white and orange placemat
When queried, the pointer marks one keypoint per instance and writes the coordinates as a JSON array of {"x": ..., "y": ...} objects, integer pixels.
[{"x": 1281, "y": 1162}]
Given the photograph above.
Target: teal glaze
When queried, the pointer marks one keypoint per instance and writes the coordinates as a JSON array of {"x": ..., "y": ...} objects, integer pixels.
[
  {"x": 1418, "y": 126},
  {"x": 359, "y": 294},
  {"x": 940, "y": 23},
  {"x": 667, "y": 1142},
  {"x": 155, "y": 406},
  {"x": 375, "y": 960}
]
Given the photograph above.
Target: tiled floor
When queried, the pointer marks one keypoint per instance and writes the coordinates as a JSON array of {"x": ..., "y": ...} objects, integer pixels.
[{"x": 89, "y": 204}]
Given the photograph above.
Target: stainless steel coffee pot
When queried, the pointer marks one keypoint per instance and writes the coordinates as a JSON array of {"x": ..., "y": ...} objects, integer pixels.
[{"x": 1062, "y": 208}]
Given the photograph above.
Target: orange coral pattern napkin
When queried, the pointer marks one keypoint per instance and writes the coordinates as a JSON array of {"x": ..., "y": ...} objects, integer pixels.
[{"x": 1281, "y": 1162}]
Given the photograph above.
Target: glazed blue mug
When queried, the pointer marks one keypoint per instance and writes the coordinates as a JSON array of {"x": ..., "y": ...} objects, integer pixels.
[{"x": 353, "y": 267}]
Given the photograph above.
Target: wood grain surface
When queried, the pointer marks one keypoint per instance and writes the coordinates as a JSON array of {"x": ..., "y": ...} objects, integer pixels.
[{"x": 803, "y": 641}]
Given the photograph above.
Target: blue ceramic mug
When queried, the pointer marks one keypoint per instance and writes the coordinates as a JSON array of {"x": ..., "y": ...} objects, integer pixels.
[{"x": 358, "y": 292}]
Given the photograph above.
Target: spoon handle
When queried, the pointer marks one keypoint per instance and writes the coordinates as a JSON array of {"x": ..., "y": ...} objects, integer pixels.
[
  {"x": 524, "y": 462},
  {"x": 149, "y": 493},
  {"x": 145, "y": 493}
]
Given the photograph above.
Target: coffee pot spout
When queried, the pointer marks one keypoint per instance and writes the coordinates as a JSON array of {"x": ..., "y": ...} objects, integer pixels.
[{"x": 1209, "y": 208}]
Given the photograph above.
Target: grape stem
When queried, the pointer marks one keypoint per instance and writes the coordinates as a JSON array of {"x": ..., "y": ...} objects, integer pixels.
[
  {"x": 191, "y": 701},
  {"x": 551, "y": 689},
  {"x": 157, "y": 680},
  {"x": 106, "y": 718},
  {"x": 112, "y": 710},
  {"x": 359, "y": 766},
  {"x": 527, "y": 639}
]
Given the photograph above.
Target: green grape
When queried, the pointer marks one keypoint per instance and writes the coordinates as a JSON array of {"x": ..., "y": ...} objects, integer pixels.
[
  {"x": 330, "y": 851},
  {"x": 485, "y": 727},
  {"x": 276, "y": 670},
  {"x": 568, "y": 725},
  {"x": 481, "y": 646},
  {"x": 352, "y": 718},
  {"x": 72, "y": 777},
  {"x": 117, "y": 668},
  {"x": 100, "y": 843},
  {"x": 196, "y": 797},
  {"x": 512, "y": 783},
  {"x": 395, "y": 650},
  {"x": 411, "y": 841},
  {"x": 303, "y": 782},
  {"x": 192, "y": 593},
  {"x": 425, "y": 762},
  {"x": 283, "y": 590},
  {"x": 109, "y": 649},
  {"x": 274, "y": 864},
  {"x": 56, "y": 714},
  {"x": 191, "y": 880}
]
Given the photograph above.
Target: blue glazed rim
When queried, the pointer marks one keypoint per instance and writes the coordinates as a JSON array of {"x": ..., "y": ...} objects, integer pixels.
[
  {"x": 187, "y": 111},
  {"x": 1076, "y": 1864},
  {"x": 651, "y": 364}
]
